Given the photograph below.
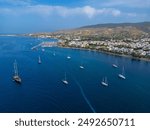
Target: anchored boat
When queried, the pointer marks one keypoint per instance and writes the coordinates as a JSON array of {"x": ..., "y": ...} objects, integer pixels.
[
  {"x": 16, "y": 76},
  {"x": 122, "y": 75},
  {"x": 104, "y": 82}
]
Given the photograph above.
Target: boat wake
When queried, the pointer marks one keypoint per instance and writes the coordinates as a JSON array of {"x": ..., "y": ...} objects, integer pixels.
[{"x": 84, "y": 96}]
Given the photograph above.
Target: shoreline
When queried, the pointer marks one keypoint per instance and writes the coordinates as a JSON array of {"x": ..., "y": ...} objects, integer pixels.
[
  {"x": 109, "y": 53},
  {"x": 105, "y": 52}
]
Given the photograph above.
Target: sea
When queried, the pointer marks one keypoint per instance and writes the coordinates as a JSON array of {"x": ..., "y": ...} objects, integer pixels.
[{"x": 42, "y": 89}]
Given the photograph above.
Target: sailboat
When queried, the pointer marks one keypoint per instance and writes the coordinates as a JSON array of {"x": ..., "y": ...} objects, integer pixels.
[
  {"x": 16, "y": 77},
  {"x": 54, "y": 54},
  {"x": 43, "y": 49},
  {"x": 81, "y": 67},
  {"x": 39, "y": 61},
  {"x": 65, "y": 80},
  {"x": 122, "y": 75},
  {"x": 115, "y": 65},
  {"x": 68, "y": 57},
  {"x": 104, "y": 82}
]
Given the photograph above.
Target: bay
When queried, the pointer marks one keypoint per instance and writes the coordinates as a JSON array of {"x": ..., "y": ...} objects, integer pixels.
[{"x": 42, "y": 89}]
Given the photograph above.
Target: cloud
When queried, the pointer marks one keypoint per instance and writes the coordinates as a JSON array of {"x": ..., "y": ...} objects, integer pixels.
[
  {"x": 17, "y": 2},
  {"x": 127, "y": 3},
  {"x": 89, "y": 11},
  {"x": 111, "y": 11},
  {"x": 131, "y": 14},
  {"x": 47, "y": 10}
]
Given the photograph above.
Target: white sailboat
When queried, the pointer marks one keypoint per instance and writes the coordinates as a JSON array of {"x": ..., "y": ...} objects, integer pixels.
[
  {"x": 68, "y": 57},
  {"x": 65, "y": 80},
  {"x": 54, "y": 54},
  {"x": 115, "y": 65},
  {"x": 104, "y": 82},
  {"x": 43, "y": 49},
  {"x": 16, "y": 76},
  {"x": 39, "y": 61},
  {"x": 122, "y": 75},
  {"x": 81, "y": 67}
]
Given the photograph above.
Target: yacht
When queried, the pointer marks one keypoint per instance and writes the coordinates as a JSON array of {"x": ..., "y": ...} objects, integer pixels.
[
  {"x": 122, "y": 75},
  {"x": 16, "y": 76},
  {"x": 43, "y": 49},
  {"x": 81, "y": 67},
  {"x": 104, "y": 82},
  {"x": 39, "y": 61},
  {"x": 68, "y": 57},
  {"x": 54, "y": 54},
  {"x": 115, "y": 66},
  {"x": 65, "y": 80}
]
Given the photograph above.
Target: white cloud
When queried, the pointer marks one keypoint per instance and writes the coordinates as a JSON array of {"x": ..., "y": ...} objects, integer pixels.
[
  {"x": 127, "y": 3},
  {"x": 88, "y": 11},
  {"x": 111, "y": 11},
  {"x": 17, "y": 2},
  {"x": 131, "y": 14},
  {"x": 46, "y": 11}
]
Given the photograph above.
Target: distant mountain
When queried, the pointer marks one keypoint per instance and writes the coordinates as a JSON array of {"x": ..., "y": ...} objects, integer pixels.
[
  {"x": 111, "y": 31},
  {"x": 108, "y": 31},
  {"x": 143, "y": 26}
]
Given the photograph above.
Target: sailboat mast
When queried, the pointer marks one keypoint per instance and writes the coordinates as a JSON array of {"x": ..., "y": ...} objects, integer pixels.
[
  {"x": 65, "y": 76},
  {"x": 123, "y": 71},
  {"x": 15, "y": 69}
]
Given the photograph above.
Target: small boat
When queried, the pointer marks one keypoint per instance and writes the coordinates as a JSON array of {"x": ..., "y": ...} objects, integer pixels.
[
  {"x": 65, "y": 80},
  {"x": 54, "y": 54},
  {"x": 115, "y": 66},
  {"x": 39, "y": 61},
  {"x": 43, "y": 49},
  {"x": 104, "y": 82},
  {"x": 16, "y": 76},
  {"x": 81, "y": 67},
  {"x": 68, "y": 57},
  {"x": 122, "y": 75}
]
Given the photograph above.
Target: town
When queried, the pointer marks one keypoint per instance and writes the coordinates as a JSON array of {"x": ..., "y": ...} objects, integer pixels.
[{"x": 136, "y": 48}]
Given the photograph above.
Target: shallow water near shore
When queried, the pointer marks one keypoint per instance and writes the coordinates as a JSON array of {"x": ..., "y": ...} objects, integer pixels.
[{"x": 42, "y": 89}]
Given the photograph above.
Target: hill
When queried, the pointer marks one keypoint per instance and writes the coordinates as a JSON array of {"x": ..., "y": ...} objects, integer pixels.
[
  {"x": 144, "y": 26},
  {"x": 111, "y": 31}
]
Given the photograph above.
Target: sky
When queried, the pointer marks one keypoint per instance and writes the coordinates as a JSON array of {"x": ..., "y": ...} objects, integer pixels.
[{"x": 31, "y": 16}]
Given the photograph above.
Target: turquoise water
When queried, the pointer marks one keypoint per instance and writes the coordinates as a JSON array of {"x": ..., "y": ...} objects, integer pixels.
[{"x": 42, "y": 89}]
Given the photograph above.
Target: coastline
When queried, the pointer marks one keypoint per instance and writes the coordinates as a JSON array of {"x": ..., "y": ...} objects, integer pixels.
[
  {"x": 109, "y": 53},
  {"x": 104, "y": 52}
]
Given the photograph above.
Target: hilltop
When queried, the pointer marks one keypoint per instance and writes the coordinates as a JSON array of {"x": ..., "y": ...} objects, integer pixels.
[
  {"x": 111, "y": 31},
  {"x": 143, "y": 26}
]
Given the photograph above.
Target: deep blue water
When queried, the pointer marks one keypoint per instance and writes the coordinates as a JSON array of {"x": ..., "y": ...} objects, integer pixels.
[{"x": 43, "y": 91}]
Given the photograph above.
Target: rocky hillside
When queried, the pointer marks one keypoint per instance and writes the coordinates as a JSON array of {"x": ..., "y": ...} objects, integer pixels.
[{"x": 112, "y": 31}]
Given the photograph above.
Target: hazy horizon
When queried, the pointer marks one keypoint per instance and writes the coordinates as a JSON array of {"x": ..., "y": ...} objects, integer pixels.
[{"x": 31, "y": 16}]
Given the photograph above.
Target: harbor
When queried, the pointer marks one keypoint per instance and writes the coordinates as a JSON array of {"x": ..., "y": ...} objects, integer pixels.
[{"x": 44, "y": 45}]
